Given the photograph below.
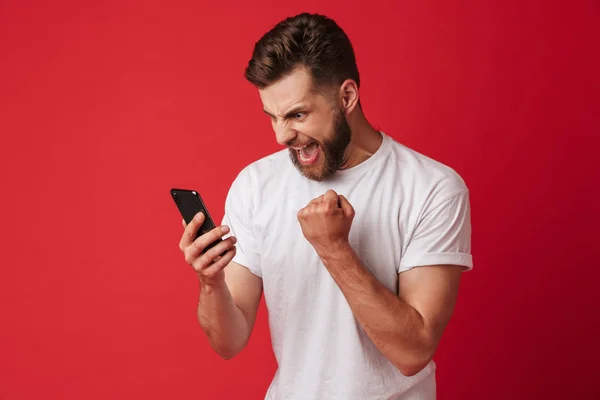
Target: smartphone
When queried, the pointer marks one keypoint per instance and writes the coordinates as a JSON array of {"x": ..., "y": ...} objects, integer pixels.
[{"x": 189, "y": 204}]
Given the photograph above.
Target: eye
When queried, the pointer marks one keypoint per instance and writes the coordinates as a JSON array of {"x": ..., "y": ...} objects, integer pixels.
[{"x": 299, "y": 115}]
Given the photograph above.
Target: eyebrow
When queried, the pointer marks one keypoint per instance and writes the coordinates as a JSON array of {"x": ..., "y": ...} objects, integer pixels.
[{"x": 290, "y": 112}]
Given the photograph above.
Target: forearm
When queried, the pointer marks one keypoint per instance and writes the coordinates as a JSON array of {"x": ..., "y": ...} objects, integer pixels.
[
  {"x": 395, "y": 327},
  {"x": 222, "y": 321}
]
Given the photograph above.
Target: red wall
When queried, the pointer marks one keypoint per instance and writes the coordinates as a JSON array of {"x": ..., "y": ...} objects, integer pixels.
[{"x": 107, "y": 105}]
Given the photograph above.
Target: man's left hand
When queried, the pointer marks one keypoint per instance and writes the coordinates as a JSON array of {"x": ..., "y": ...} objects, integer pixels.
[{"x": 326, "y": 222}]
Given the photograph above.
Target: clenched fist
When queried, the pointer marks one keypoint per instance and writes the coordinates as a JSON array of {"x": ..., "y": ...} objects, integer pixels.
[{"x": 326, "y": 222}]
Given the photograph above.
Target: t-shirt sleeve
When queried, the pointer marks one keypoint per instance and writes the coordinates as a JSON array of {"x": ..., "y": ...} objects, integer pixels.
[
  {"x": 238, "y": 217},
  {"x": 442, "y": 236}
]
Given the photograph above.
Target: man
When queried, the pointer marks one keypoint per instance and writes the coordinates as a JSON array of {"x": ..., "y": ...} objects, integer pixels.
[{"x": 358, "y": 243}]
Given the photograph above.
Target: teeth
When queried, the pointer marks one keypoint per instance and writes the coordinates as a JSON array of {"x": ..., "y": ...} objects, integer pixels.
[{"x": 300, "y": 148}]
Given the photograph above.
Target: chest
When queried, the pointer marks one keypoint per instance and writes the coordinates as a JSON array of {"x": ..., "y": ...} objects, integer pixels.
[{"x": 289, "y": 263}]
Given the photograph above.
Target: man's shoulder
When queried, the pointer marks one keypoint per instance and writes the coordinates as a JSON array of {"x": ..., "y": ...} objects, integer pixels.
[{"x": 425, "y": 172}]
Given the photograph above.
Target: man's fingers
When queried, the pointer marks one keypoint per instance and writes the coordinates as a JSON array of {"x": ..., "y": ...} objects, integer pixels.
[
  {"x": 302, "y": 212},
  {"x": 330, "y": 197},
  {"x": 190, "y": 230},
  {"x": 211, "y": 236},
  {"x": 216, "y": 251},
  {"x": 346, "y": 206},
  {"x": 183, "y": 223},
  {"x": 194, "y": 253},
  {"x": 316, "y": 200},
  {"x": 215, "y": 254},
  {"x": 222, "y": 262}
]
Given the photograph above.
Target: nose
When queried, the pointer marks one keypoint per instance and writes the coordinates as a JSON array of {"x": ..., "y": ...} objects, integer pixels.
[{"x": 284, "y": 133}]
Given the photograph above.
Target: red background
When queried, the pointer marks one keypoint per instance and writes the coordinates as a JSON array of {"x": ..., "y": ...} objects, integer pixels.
[{"x": 107, "y": 105}]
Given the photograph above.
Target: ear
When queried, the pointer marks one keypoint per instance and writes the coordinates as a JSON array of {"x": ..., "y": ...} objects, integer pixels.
[{"x": 349, "y": 96}]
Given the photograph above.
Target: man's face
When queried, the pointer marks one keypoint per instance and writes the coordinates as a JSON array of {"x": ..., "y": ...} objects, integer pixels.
[{"x": 312, "y": 126}]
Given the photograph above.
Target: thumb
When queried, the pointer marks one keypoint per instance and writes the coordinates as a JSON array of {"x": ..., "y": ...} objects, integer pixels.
[
  {"x": 330, "y": 197},
  {"x": 346, "y": 206}
]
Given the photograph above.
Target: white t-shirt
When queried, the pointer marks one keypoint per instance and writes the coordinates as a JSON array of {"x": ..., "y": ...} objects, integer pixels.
[{"x": 410, "y": 210}]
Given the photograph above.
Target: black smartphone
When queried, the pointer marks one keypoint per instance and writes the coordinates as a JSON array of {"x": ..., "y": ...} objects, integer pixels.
[{"x": 189, "y": 204}]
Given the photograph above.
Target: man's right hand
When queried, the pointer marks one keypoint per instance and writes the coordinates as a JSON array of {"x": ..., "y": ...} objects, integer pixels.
[{"x": 209, "y": 266}]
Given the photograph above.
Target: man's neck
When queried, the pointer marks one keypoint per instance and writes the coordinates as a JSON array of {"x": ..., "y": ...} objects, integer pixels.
[{"x": 364, "y": 143}]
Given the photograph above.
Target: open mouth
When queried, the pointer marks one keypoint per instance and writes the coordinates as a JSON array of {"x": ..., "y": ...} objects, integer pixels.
[{"x": 308, "y": 154}]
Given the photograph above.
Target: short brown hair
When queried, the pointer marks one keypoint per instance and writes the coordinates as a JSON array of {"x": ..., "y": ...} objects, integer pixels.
[{"x": 310, "y": 40}]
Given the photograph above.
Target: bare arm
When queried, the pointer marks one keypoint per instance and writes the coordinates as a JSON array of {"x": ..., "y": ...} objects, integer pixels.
[
  {"x": 227, "y": 311},
  {"x": 229, "y": 293},
  {"x": 406, "y": 328}
]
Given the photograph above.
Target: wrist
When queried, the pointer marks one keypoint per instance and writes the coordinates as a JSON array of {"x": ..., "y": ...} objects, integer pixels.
[
  {"x": 212, "y": 285},
  {"x": 335, "y": 253}
]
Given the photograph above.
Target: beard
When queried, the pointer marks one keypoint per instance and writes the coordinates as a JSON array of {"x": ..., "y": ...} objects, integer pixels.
[{"x": 332, "y": 152}]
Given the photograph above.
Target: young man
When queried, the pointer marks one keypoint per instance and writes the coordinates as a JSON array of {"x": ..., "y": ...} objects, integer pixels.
[{"x": 358, "y": 242}]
